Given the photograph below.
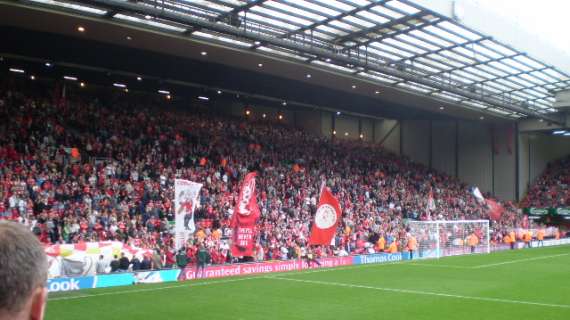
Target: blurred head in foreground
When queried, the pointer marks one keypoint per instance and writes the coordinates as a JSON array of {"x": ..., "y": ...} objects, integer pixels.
[{"x": 23, "y": 274}]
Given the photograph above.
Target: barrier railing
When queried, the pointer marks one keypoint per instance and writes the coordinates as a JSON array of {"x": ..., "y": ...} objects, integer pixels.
[{"x": 241, "y": 269}]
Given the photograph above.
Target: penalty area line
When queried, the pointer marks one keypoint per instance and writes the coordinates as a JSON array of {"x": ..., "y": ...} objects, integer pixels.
[
  {"x": 518, "y": 260},
  {"x": 426, "y": 293}
]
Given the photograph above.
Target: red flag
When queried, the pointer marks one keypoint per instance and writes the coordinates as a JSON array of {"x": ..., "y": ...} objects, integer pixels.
[
  {"x": 75, "y": 153},
  {"x": 53, "y": 251},
  {"x": 246, "y": 213},
  {"x": 495, "y": 209},
  {"x": 81, "y": 246},
  {"x": 326, "y": 219}
]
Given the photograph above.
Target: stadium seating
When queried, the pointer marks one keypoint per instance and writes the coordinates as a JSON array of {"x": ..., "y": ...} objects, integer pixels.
[
  {"x": 84, "y": 170},
  {"x": 552, "y": 188}
]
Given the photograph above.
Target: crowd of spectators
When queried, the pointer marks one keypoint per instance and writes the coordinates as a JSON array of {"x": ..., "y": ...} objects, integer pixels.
[
  {"x": 552, "y": 188},
  {"x": 82, "y": 169}
]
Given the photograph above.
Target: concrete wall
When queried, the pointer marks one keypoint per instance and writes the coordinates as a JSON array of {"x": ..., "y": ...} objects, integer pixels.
[
  {"x": 479, "y": 153},
  {"x": 346, "y": 127},
  {"x": 544, "y": 149},
  {"x": 326, "y": 124},
  {"x": 387, "y": 132},
  {"x": 523, "y": 163},
  {"x": 504, "y": 162},
  {"x": 465, "y": 149},
  {"x": 415, "y": 139},
  {"x": 443, "y": 144},
  {"x": 257, "y": 112},
  {"x": 475, "y": 155},
  {"x": 367, "y": 129},
  {"x": 310, "y": 121}
]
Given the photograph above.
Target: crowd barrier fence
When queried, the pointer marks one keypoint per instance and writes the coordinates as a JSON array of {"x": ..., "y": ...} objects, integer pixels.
[{"x": 229, "y": 270}]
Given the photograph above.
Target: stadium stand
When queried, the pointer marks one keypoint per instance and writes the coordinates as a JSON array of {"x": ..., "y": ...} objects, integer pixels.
[
  {"x": 552, "y": 188},
  {"x": 83, "y": 169}
]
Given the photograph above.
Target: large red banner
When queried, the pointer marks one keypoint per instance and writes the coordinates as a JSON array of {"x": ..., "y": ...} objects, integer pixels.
[
  {"x": 326, "y": 219},
  {"x": 245, "y": 216}
]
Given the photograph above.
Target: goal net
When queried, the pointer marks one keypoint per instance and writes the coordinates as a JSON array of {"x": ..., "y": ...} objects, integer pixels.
[{"x": 449, "y": 238}]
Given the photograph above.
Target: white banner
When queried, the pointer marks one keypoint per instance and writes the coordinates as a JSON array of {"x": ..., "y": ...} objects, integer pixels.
[
  {"x": 185, "y": 200},
  {"x": 80, "y": 259}
]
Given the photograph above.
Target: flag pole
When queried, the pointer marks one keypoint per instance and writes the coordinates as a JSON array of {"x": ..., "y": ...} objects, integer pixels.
[{"x": 323, "y": 185}]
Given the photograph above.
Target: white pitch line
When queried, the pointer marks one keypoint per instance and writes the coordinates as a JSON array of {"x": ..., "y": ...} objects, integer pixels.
[
  {"x": 438, "y": 265},
  {"x": 518, "y": 260},
  {"x": 427, "y": 293},
  {"x": 260, "y": 276}
]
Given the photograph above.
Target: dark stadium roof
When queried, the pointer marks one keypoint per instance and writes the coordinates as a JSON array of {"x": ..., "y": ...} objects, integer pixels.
[{"x": 395, "y": 43}]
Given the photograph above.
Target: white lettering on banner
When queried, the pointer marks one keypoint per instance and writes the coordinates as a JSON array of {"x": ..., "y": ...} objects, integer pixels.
[
  {"x": 189, "y": 273},
  {"x": 257, "y": 269},
  {"x": 380, "y": 258},
  {"x": 263, "y": 267},
  {"x": 69, "y": 285},
  {"x": 223, "y": 272},
  {"x": 246, "y": 196},
  {"x": 287, "y": 267},
  {"x": 244, "y": 235}
]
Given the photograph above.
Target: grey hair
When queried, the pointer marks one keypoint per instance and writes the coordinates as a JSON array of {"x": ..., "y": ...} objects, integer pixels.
[{"x": 23, "y": 265}]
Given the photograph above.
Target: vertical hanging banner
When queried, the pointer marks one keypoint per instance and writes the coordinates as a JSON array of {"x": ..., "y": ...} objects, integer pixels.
[
  {"x": 185, "y": 200},
  {"x": 246, "y": 213},
  {"x": 326, "y": 219}
]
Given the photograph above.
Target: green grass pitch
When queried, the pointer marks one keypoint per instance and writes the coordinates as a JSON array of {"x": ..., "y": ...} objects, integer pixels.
[{"x": 521, "y": 284}]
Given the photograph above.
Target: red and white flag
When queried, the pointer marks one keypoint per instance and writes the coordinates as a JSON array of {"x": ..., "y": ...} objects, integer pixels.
[
  {"x": 246, "y": 213},
  {"x": 326, "y": 219}
]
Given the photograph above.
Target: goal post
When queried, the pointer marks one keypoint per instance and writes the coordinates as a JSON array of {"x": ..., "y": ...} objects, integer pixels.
[{"x": 438, "y": 239}]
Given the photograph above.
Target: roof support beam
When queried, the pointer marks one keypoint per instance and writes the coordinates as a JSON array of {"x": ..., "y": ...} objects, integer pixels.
[
  {"x": 412, "y": 27},
  {"x": 320, "y": 52},
  {"x": 387, "y": 25},
  {"x": 239, "y": 9},
  {"x": 457, "y": 45},
  {"x": 233, "y": 12},
  {"x": 328, "y": 19}
]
